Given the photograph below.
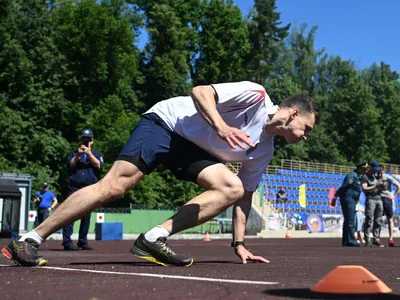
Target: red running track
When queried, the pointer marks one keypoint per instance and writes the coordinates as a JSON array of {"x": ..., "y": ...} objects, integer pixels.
[{"x": 111, "y": 272}]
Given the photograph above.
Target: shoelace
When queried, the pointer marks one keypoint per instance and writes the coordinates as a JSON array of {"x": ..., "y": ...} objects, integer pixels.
[
  {"x": 164, "y": 246},
  {"x": 32, "y": 248}
]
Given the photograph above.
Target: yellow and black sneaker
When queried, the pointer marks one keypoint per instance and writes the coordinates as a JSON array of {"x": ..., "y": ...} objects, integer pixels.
[
  {"x": 24, "y": 253},
  {"x": 159, "y": 252}
]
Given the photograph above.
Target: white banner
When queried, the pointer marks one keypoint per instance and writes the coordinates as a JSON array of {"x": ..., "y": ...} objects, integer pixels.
[
  {"x": 274, "y": 222},
  {"x": 100, "y": 218},
  {"x": 32, "y": 215}
]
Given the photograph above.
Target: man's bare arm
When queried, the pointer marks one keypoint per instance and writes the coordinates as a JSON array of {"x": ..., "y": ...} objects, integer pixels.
[
  {"x": 241, "y": 211},
  {"x": 205, "y": 100}
]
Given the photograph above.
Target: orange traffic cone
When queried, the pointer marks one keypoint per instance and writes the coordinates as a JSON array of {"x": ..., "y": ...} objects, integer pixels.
[
  {"x": 351, "y": 280},
  {"x": 207, "y": 238},
  {"x": 288, "y": 234}
]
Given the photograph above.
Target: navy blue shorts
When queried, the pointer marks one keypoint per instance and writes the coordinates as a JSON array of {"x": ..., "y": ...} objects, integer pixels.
[
  {"x": 387, "y": 207},
  {"x": 153, "y": 143}
]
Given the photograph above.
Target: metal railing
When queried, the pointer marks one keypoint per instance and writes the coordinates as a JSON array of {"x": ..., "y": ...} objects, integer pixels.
[{"x": 288, "y": 164}]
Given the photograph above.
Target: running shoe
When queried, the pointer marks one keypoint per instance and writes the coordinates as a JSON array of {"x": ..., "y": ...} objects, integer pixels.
[
  {"x": 24, "y": 253},
  {"x": 159, "y": 252}
]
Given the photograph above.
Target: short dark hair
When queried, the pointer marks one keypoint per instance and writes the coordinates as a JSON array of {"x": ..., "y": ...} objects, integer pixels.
[{"x": 304, "y": 103}]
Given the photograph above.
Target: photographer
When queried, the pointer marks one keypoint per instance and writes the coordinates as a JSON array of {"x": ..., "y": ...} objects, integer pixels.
[
  {"x": 43, "y": 200},
  {"x": 83, "y": 168},
  {"x": 387, "y": 199}
]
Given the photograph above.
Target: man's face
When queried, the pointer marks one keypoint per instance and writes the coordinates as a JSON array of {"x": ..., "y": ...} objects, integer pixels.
[
  {"x": 371, "y": 170},
  {"x": 298, "y": 126},
  {"x": 362, "y": 170}
]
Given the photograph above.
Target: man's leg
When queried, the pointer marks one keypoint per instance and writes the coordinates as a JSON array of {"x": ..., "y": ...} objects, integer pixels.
[
  {"x": 223, "y": 189},
  {"x": 67, "y": 232},
  {"x": 391, "y": 226},
  {"x": 352, "y": 222},
  {"x": 343, "y": 204},
  {"x": 122, "y": 177},
  {"x": 378, "y": 212},
  {"x": 40, "y": 216},
  {"x": 83, "y": 232},
  {"x": 45, "y": 214},
  {"x": 388, "y": 212},
  {"x": 369, "y": 211}
]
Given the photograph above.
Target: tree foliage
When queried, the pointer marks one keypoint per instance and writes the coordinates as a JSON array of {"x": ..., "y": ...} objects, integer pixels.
[{"x": 69, "y": 64}]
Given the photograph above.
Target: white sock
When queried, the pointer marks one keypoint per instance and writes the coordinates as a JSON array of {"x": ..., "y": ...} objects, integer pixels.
[
  {"x": 32, "y": 235},
  {"x": 155, "y": 233}
]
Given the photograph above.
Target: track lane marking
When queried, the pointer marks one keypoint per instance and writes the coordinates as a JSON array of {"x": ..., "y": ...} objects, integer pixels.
[{"x": 159, "y": 276}]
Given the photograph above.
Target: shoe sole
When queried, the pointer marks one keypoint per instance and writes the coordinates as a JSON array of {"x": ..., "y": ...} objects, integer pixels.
[
  {"x": 147, "y": 256},
  {"x": 7, "y": 253}
]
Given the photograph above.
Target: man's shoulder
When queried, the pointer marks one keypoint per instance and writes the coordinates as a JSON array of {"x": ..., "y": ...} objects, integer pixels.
[
  {"x": 388, "y": 177},
  {"x": 351, "y": 174},
  {"x": 97, "y": 153}
]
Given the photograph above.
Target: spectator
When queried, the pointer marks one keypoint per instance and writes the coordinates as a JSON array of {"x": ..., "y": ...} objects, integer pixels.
[
  {"x": 83, "y": 166},
  {"x": 360, "y": 223},
  {"x": 281, "y": 195},
  {"x": 349, "y": 193},
  {"x": 46, "y": 201},
  {"x": 387, "y": 199},
  {"x": 373, "y": 205}
]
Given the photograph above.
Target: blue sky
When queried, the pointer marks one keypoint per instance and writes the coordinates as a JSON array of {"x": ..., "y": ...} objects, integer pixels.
[{"x": 365, "y": 31}]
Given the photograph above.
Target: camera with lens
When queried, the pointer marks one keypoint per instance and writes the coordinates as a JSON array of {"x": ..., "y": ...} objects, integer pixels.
[{"x": 85, "y": 142}]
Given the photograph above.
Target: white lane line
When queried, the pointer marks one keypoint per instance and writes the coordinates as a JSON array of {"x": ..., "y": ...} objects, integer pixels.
[{"x": 160, "y": 276}]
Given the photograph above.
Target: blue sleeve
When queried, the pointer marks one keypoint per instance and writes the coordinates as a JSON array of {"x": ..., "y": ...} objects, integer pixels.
[
  {"x": 348, "y": 180},
  {"x": 99, "y": 156},
  {"x": 37, "y": 194},
  {"x": 68, "y": 162},
  {"x": 52, "y": 195}
]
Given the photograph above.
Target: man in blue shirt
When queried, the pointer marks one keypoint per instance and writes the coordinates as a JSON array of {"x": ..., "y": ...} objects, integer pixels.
[
  {"x": 83, "y": 169},
  {"x": 349, "y": 193},
  {"x": 44, "y": 199}
]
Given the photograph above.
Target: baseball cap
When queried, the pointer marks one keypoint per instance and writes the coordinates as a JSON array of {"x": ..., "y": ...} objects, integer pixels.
[
  {"x": 374, "y": 164},
  {"x": 87, "y": 133},
  {"x": 45, "y": 184},
  {"x": 363, "y": 164}
]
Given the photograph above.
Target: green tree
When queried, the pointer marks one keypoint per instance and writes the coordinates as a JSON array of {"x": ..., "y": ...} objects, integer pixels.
[
  {"x": 31, "y": 95},
  {"x": 305, "y": 57},
  {"x": 354, "y": 115},
  {"x": 385, "y": 86},
  {"x": 98, "y": 40},
  {"x": 223, "y": 44},
  {"x": 166, "y": 57},
  {"x": 265, "y": 36}
]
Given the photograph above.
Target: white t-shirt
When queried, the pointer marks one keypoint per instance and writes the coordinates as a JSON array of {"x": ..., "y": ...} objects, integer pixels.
[{"x": 244, "y": 105}]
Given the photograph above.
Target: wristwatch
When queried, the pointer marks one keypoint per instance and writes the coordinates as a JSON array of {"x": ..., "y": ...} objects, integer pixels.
[{"x": 237, "y": 243}]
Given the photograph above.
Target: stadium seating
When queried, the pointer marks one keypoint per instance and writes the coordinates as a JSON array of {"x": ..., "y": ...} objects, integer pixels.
[{"x": 317, "y": 190}]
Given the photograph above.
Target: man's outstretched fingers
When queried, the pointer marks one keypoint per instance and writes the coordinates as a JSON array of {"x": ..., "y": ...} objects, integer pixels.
[{"x": 258, "y": 259}]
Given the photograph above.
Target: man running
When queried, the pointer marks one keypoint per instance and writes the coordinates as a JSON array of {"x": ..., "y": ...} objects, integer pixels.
[{"x": 192, "y": 136}]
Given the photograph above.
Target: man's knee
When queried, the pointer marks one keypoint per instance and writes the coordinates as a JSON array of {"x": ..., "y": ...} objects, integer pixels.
[
  {"x": 122, "y": 177},
  {"x": 233, "y": 189},
  {"x": 112, "y": 190}
]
